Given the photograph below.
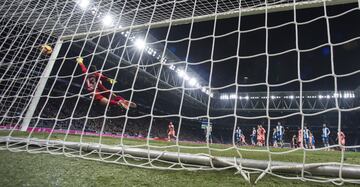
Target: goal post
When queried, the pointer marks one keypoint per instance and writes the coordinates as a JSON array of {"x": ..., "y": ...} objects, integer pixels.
[{"x": 40, "y": 88}]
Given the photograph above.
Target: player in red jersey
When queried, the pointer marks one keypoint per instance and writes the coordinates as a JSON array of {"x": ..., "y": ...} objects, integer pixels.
[
  {"x": 262, "y": 135},
  {"x": 100, "y": 92},
  {"x": 300, "y": 137},
  {"x": 171, "y": 131},
  {"x": 341, "y": 139}
]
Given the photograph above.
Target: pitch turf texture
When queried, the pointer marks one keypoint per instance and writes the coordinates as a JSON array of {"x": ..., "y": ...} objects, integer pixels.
[{"x": 24, "y": 169}]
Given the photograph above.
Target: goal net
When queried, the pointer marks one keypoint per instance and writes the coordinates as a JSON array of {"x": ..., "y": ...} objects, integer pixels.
[{"x": 262, "y": 87}]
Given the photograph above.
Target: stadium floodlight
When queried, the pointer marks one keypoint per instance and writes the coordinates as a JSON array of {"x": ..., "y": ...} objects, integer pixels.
[
  {"x": 272, "y": 97},
  {"x": 247, "y": 97},
  {"x": 140, "y": 44},
  {"x": 233, "y": 96},
  {"x": 320, "y": 96},
  {"x": 203, "y": 89},
  {"x": 83, "y": 4},
  {"x": 107, "y": 21},
  {"x": 163, "y": 60},
  {"x": 291, "y": 97},
  {"x": 186, "y": 77},
  {"x": 172, "y": 67},
  {"x": 93, "y": 10},
  {"x": 328, "y": 96},
  {"x": 181, "y": 73},
  {"x": 222, "y": 97},
  {"x": 192, "y": 81}
]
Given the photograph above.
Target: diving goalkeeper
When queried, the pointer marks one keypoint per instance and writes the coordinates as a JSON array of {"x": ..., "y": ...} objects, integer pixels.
[{"x": 100, "y": 92}]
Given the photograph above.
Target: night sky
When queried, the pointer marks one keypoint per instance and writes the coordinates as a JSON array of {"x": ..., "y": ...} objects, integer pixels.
[{"x": 282, "y": 68}]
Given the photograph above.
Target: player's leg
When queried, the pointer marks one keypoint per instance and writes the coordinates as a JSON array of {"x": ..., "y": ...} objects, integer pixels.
[
  {"x": 327, "y": 142},
  {"x": 307, "y": 143},
  {"x": 100, "y": 98},
  {"x": 115, "y": 99},
  {"x": 126, "y": 104}
]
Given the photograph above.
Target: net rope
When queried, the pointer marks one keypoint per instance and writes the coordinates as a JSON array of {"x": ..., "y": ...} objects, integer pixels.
[{"x": 28, "y": 24}]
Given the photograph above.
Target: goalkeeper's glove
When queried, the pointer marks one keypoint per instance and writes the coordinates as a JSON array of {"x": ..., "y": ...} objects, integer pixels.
[
  {"x": 112, "y": 81},
  {"x": 79, "y": 60}
]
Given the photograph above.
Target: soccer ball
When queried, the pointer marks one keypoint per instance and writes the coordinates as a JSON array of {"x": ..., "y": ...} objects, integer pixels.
[{"x": 46, "y": 49}]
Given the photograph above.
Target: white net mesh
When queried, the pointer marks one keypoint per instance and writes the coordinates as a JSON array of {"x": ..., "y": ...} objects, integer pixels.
[{"x": 262, "y": 87}]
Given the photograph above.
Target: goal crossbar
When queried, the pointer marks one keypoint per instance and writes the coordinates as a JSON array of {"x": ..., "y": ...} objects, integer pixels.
[{"x": 222, "y": 15}]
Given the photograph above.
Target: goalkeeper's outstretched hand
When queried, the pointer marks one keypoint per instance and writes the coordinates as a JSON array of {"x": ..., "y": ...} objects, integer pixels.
[
  {"x": 79, "y": 60},
  {"x": 112, "y": 81}
]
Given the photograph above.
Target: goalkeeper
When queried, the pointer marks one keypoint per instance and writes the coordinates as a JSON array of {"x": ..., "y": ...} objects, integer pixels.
[{"x": 100, "y": 92}]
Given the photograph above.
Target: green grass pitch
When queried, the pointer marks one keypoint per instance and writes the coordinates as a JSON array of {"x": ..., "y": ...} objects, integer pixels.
[{"x": 24, "y": 169}]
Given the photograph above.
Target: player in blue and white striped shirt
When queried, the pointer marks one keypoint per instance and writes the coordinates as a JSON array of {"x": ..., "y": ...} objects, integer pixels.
[
  {"x": 280, "y": 134},
  {"x": 306, "y": 137},
  {"x": 325, "y": 135}
]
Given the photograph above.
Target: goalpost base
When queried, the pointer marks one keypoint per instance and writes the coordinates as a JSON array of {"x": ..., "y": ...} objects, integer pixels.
[{"x": 326, "y": 170}]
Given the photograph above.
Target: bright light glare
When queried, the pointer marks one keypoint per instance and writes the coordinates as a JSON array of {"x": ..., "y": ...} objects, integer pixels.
[
  {"x": 186, "y": 77},
  {"x": 107, "y": 21},
  {"x": 83, "y": 3},
  {"x": 192, "y": 82},
  {"x": 181, "y": 73},
  {"x": 140, "y": 44}
]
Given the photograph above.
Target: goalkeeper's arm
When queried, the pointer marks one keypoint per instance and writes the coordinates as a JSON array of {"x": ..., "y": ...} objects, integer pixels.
[
  {"x": 80, "y": 61},
  {"x": 111, "y": 81},
  {"x": 105, "y": 78}
]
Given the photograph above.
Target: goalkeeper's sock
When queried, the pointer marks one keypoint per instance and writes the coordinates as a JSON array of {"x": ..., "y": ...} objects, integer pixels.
[{"x": 124, "y": 104}]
